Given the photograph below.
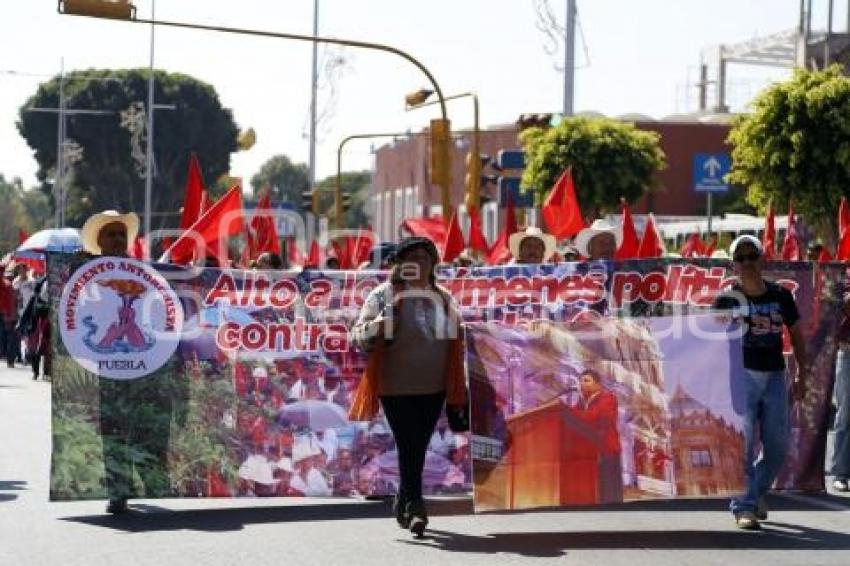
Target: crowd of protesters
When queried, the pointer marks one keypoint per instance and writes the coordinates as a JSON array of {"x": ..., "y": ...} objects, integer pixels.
[{"x": 412, "y": 373}]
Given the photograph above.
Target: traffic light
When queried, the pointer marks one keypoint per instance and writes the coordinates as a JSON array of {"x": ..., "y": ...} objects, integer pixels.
[
  {"x": 475, "y": 180},
  {"x": 544, "y": 121},
  {"x": 310, "y": 202},
  {"x": 441, "y": 157},
  {"x": 346, "y": 201},
  {"x": 113, "y": 9}
]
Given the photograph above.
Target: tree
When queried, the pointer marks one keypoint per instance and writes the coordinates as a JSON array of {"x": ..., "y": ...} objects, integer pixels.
[
  {"x": 110, "y": 174},
  {"x": 355, "y": 183},
  {"x": 287, "y": 180},
  {"x": 610, "y": 160},
  {"x": 24, "y": 210},
  {"x": 795, "y": 144}
]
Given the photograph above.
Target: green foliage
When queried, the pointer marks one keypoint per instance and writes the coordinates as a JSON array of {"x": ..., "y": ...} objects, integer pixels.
[
  {"x": 610, "y": 160},
  {"x": 24, "y": 210},
  {"x": 77, "y": 466},
  {"x": 107, "y": 176},
  {"x": 286, "y": 179},
  {"x": 355, "y": 183},
  {"x": 795, "y": 144}
]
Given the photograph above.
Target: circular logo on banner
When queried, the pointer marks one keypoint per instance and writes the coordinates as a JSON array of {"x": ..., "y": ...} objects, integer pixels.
[{"x": 119, "y": 318}]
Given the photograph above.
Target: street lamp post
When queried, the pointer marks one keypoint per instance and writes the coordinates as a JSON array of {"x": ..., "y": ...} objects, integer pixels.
[{"x": 125, "y": 11}]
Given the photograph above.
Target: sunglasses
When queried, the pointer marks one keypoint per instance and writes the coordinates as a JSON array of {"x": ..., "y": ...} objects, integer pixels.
[{"x": 753, "y": 256}]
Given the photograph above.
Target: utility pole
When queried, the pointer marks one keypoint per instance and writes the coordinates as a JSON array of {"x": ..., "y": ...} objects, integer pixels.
[
  {"x": 570, "y": 58},
  {"x": 149, "y": 150},
  {"x": 314, "y": 85},
  {"x": 60, "y": 145}
]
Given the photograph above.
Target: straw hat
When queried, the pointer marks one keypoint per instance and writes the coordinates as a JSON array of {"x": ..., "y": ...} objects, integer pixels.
[
  {"x": 303, "y": 449},
  {"x": 516, "y": 239},
  {"x": 260, "y": 372},
  {"x": 599, "y": 226},
  {"x": 95, "y": 224}
]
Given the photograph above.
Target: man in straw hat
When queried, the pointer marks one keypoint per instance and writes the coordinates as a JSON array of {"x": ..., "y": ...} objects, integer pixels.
[
  {"x": 135, "y": 415},
  {"x": 600, "y": 240},
  {"x": 531, "y": 246},
  {"x": 109, "y": 232}
]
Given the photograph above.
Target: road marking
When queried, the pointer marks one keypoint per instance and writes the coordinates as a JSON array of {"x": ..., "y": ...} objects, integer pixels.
[{"x": 832, "y": 506}]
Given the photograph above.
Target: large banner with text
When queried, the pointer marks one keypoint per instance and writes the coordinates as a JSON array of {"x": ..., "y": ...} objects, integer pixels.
[{"x": 182, "y": 382}]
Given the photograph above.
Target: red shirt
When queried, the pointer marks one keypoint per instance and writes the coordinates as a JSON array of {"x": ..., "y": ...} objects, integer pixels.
[{"x": 8, "y": 300}]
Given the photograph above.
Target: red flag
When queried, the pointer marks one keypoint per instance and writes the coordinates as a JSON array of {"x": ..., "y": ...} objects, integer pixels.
[
  {"x": 192, "y": 201},
  {"x": 22, "y": 236},
  {"x": 694, "y": 246},
  {"x": 768, "y": 240},
  {"x": 314, "y": 259},
  {"x": 630, "y": 244},
  {"x": 209, "y": 229},
  {"x": 137, "y": 248},
  {"x": 362, "y": 247},
  {"x": 510, "y": 217},
  {"x": 343, "y": 248},
  {"x": 500, "y": 253},
  {"x": 824, "y": 256},
  {"x": 477, "y": 241},
  {"x": 791, "y": 250},
  {"x": 710, "y": 247},
  {"x": 651, "y": 244},
  {"x": 265, "y": 232},
  {"x": 454, "y": 240},
  {"x": 561, "y": 210},
  {"x": 843, "y": 216}
]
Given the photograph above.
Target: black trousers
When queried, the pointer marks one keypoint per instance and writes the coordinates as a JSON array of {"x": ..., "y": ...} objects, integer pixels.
[
  {"x": 412, "y": 419},
  {"x": 7, "y": 341}
]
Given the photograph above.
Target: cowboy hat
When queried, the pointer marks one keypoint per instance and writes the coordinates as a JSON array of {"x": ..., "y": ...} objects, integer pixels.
[
  {"x": 96, "y": 222},
  {"x": 515, "y": 241},
  {"x": 599, "y": 226},
  {"x": 303, "y": 449}
]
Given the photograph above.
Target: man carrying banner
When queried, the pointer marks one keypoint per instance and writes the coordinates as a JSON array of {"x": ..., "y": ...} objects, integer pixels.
[{"x": 763, "y": 307}]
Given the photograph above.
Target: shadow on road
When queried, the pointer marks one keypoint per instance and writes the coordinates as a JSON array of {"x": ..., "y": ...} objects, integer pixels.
[
  {"x": 146, "y": 518},
  {"x": 773, "y": 536},
  {"x": 13, "y": 485}
]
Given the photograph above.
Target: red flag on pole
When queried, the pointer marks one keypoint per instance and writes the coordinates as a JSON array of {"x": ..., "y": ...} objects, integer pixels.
[
  {"x": 454, "y": 244},
  {"x": 630, "y": 244},
  {"x": 265, "y": 232},
  {"x": 510, "y": 216},
  {"x": 477, "y": 241},
  {"x": 499, "y": 253},
  {"x": 314, "y": 259},
  {"x": 710, "y": 247},
  {"x": 194, "y": 194},
  {"x": 137, "y": 248},
  {"x": 768, "y": 240},
  {"x": 694, "y": 246},
  {"x": 223, "y": 219},
  {"x": 651, "y": 244},
  {"x": 561, "y": 210},
  {"x": 791, "y": 250},
  {"x": 824, "y": 256},
  {"x": 22, "y": 236}
]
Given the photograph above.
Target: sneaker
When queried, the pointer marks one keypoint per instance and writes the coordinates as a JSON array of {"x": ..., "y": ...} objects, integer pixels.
[
  {"x": 418, "y": 517},
  {"x": 747, "y": 521},
  {"x": 117, "y": 506},
  {"x": 761, "y": 509},
  {"x": 841, "y": 484}
]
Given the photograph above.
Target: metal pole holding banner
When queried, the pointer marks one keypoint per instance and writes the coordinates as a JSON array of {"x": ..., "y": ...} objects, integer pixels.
[{"x": 708, "y": 199}]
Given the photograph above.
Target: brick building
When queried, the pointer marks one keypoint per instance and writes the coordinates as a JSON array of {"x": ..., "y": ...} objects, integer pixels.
[{"x": 402, "y": 188}]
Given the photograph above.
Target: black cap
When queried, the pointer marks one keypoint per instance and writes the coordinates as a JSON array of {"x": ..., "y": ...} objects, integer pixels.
[{"x": 409, "y": 244}]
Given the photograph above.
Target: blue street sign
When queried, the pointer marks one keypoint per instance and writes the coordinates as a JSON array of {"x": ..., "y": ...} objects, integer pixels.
[
  {"x": 510, "y": 159},
  {"x": 710, "y": 170},
  {"x": 521, "y": 199}
]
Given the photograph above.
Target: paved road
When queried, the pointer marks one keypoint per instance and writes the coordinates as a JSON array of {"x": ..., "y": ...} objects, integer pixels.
[{"x": 803, "y": 530}]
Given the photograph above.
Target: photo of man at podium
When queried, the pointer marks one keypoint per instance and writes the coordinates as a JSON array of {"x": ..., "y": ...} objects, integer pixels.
[{"x": 594, "y": 419}]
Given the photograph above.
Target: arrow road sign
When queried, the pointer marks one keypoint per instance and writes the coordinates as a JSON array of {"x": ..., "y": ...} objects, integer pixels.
[{"x": 710, "y": 170}]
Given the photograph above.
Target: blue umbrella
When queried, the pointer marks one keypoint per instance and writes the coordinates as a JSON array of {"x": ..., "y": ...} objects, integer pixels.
[{"x": 53, "y": 240}]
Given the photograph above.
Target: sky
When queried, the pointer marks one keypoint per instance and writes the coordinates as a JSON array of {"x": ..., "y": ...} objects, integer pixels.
[{"x": 633, "y": 56}]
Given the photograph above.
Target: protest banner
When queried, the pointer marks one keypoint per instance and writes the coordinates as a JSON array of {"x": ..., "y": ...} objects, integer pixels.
[{"x": 223, "y": 383}]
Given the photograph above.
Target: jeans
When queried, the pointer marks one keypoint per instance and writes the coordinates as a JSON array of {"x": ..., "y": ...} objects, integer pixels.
[
  {"x": 841, "y": 452},
  {"x": 412, "y": 419},
  {"x": 766, "y": 410},
  {"x": 8, "y": 336}
]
